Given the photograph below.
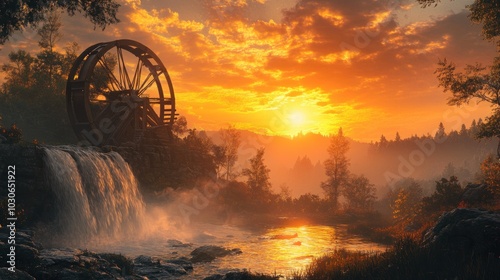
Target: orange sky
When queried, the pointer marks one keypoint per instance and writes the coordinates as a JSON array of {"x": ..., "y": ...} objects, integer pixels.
[{"x": 285, "y": 66}]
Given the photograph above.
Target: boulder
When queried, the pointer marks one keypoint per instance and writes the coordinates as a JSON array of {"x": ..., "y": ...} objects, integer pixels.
[
  {"x": 469, "y": 230},
  {"x": 184, "y": 262},
  {"x": 143, "y": 260},
  {"x": 26, "y": 256},
  {"x": 160, "y": 269},
  {"x": 177, "y": 244},
  {"x": 16, "y": 275},
  {"x": 209, "y": 253},
  {"x": 59, "y": 256}
]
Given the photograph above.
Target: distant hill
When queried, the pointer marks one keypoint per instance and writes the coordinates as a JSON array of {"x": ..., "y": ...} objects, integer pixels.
[{"x": 298, "y": 162}]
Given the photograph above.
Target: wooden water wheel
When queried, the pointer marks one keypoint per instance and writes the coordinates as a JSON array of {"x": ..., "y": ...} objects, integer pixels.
[{"x": 118, "y": 91}]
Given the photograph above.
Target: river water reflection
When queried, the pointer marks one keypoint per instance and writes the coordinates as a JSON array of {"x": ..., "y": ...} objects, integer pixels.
[{"x": 278, "y": 251}]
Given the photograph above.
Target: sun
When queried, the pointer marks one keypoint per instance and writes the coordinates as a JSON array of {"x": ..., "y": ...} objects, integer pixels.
[{"x": 296, "y": 118}]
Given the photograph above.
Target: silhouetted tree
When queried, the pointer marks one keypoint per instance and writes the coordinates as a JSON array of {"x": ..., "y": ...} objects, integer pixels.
[
  {"x": 180, "y": 126},
  {"x": 231, "y": 140},
  {"x": 258, "y": 176},
  {"x": 463, "y": 131},
  {"x": 440, "y": 133},
  {"x": 359, "y": 194},
  {"x": 336, "y": 167},
  {"x": 397, "y": 138},
  {"x": 18, "y": 15},
  {"x": 308, "y": 203},
  {"x": 33, "y": 91},
  {"x": 383, "y": 143},
  {"x": 49, "y": 61},
  {"x": 219, "y": 159},
  {"x": 446, "y": 196},
  {"x": 476, "y": 82}
]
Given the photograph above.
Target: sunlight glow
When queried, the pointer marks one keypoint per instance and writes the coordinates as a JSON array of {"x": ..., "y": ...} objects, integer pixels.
[{"x": 296, "y": 118}]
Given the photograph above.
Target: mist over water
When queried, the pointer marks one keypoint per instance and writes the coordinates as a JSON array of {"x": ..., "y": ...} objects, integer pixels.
[
  {"x": 98, "y": 206},
  {"x": 96, "y": 196}
]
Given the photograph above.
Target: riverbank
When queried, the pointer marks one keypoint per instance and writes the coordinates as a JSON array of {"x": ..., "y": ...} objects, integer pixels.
[
  {"x": 27, "y": 259},
  {"x": 463, "y": 244}
]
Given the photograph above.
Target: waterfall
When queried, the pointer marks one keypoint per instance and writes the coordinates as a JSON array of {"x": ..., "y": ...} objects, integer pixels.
[{"x": 96, "y": 195}]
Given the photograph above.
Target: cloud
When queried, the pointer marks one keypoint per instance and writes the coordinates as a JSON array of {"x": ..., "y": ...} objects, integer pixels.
[{"x": 319, "y": 55}]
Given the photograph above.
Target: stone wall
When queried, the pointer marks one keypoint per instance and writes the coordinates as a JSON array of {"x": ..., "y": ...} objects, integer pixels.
[{"x": 31, "y": 190}]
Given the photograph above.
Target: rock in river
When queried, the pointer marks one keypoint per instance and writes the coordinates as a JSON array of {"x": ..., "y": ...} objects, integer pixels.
[{"x": 209, "y": 253}]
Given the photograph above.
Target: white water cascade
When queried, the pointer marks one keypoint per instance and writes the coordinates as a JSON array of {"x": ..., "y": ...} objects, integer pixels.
[{"x": 96, "y": 195}]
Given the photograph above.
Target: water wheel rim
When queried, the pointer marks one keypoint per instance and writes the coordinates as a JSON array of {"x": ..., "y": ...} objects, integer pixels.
[{"x": 90, "y": 127}]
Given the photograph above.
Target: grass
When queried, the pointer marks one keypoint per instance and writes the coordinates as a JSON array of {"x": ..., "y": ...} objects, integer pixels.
[{"x": 406, "y": 260}]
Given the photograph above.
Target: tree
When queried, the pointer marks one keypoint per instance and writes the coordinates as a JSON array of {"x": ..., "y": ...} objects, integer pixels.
[
  {"x": 397, "y": 138},
  {"x": 446, "y": 197},
  {"x": 20, "y": 14},
  {"x": 336, "y": 168},
  {"x": 476, "y": 82},
  {"x": 383, "y": 143},
  {"x": 258, "y": 176},
  {"x": 19, "y": 72},
  {"x": 440, "y": 133},
  {"x": 406, "y": 198},
  {"x": 33, "y": 91},
  {"x": 49, "y": 61},
  {"x": 180, "y": 126},
  {"x": 490, "y": 172},
  {"x": 359, "y": 194},
  {"x": 463, "y": 131},
  {"x": 231, "y": 140},
  {"x": 219, "y": 159}
]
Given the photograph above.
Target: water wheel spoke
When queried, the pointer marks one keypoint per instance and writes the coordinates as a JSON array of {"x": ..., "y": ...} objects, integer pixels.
[
  {"x": 153, "y": 118},
  {"x": 136, "y": 80},
  {"x": 122, "y": 68},
  {"x": 145, "y": 86},
  {"x": 112, "y": 78}
]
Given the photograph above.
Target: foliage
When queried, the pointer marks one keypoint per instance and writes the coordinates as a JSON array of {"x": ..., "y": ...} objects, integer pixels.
[
  {"x": 405, "y": 260},
  {"x": 476, "y": 82},
  {"x": 236, "y": 197},
  {"x": 446, "y": 197},
  {"x": 179, "y": 127},
  {"x": 359, "y": 194},
  {"x": 18, "y": 15},
  {"x": 198, "y": 147},
  {"x": 336, "y": 168},
  {"x": 490, "y": 169},
  {"x": 11, "y": 135},
  {"x": 308, "y": 204},
  {"x": 231, "y": 140},
  {"x": 258, "y": 176},
  {"x": 33, "y": 92},
  {"x": 405, "y": 201}
]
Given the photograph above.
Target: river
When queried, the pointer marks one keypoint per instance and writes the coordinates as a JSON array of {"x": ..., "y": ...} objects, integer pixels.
[{"x": 271, "y": 251}]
